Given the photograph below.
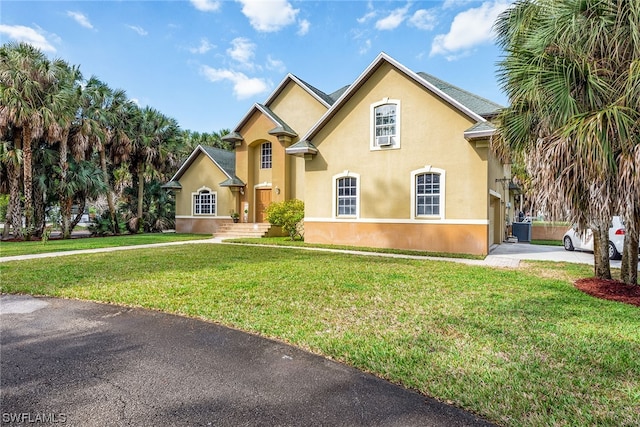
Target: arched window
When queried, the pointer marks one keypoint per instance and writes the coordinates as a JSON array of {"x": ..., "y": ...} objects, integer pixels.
[
  {"x": 265, "y": 156},
  {"x": 346, "y": 195},
  {"x": 428, "y": 193},
  {"x": 385, "y": 119},
  {"x": 204, "y": 202}
]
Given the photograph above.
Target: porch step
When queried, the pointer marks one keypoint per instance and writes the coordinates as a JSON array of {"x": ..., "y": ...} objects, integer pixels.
[{"x": 240, "y": 229}]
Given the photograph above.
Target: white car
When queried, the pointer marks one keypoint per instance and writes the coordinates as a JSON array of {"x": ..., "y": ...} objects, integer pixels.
[{"x": 584, "y": 241}]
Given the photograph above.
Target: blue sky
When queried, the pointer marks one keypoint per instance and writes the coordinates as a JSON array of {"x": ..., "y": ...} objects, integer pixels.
[{"x": 206, "y": 62}]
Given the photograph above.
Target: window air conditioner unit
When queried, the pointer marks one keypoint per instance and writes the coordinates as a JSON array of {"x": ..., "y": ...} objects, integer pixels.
[{"x": 384, "y": 141}]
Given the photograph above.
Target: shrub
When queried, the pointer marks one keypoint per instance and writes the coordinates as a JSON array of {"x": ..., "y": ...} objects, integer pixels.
[{"x": 289, "y": 215}]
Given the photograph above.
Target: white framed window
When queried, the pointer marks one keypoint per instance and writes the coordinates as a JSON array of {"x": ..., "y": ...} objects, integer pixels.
[
  {"x": 428, "y": 189},
  {"x": 346, "y": 195},
  {"x": 204, "y": 202},
  {"x": 385, "y": 124},
  {"x": 266, "y": 156}
]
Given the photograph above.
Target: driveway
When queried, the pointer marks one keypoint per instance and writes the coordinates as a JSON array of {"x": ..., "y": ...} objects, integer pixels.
[
  {"x": 526, "y": 251},
  {"x": 88, "y": 364}
]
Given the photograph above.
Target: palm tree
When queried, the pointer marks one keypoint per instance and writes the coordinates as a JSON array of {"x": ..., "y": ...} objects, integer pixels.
[
  {"x": 152, "y": 135},
  {"x": 11, "y": 159},
  {"x": 571, "y": 73},
  {"x": 28, "y": 83},
  {"x": 105, "y": 110},
  {"x": 70, "y": 135}
]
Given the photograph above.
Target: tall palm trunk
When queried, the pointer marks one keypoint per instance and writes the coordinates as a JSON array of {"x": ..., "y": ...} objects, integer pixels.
[
  {"x": 27, "y": 167},
  {"x": 15, "y": 211},
  {"x": 629, "y": 268},
  {"x": 110, "y": 202},
  {"x": 66, "y": 200},
  {"x": 602, "y": 266},
  {"x": 39, "y": 211},
  {"x": 140, "y": 195}
]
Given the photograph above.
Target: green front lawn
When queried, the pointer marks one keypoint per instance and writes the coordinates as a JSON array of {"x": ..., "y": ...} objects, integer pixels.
[
  {"x": 59, "y": 245},
  {"x": 518, "y": 347}
]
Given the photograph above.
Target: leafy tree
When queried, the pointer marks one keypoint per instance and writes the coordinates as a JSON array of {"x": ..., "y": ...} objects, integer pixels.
[
  {"x": 572, "y": 73},
  {"x": 289, "y": 215}
]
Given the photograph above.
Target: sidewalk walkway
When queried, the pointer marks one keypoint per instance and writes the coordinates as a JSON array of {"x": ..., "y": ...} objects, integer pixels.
[
  {"x": 507, "y": 255},
  {"x": 490, "y": 261}
]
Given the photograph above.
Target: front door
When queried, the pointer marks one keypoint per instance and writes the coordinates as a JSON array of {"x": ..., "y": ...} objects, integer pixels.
[{"x": 263, "y": 199}]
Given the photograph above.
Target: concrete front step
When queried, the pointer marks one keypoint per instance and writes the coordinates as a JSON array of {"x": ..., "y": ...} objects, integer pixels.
[{"x": 242, "y": 230}]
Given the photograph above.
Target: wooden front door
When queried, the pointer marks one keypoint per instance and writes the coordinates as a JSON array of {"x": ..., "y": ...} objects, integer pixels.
[{"x": 263, "y": 199}]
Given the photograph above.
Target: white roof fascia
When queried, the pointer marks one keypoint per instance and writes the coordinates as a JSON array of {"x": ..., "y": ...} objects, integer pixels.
[
  {"x": 299, "y": 82},
  {"x": 246, "y": 117},
  {"x": 479, "y": 133},
  {"x": 191, "y": 158},
  {"x": 365, "y": 74}
]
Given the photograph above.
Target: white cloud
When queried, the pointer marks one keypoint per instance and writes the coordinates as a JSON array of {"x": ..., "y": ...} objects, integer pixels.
[
  {"x": 269, "y": 16},
  {"x": 469, "y": 29},
  {"x": 275, "y": 64},
  {"x": 206, "y": 5},
  {"x": 303, "y": 27},
  {"x": 141, "y": 31},
  {"x": 369, "y": 15},
  {"x": 27, "y": 35},
  {"x": 366, "y": 17},
  {"x": 394, "y": 19},
  {"x": 366, "y": 47},
  {"x": 243, "y": 87},
  {"x": 242, "y": 50},
  {"x": 204, "y": 47},
  {"x": 423, "y": 19},
  {"x": 80, "y": 18}
]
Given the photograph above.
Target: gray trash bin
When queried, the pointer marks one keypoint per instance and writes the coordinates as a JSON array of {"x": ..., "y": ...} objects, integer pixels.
[{"x": 522, "y": 230}]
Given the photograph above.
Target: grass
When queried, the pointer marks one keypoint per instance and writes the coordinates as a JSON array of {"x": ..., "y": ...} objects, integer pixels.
[
  {"x": 518, "y": 347},
  {"x": 286, "y": 241},
  {"x": 547, "y": 242},
  {"x": 58, "y": 245}
]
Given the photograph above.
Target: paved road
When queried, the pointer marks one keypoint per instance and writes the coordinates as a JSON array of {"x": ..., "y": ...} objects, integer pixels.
[{"x": 93, "y": 364}]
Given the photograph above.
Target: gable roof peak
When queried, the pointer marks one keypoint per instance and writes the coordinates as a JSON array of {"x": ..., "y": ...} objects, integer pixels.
[
  {"x": 382, "y": 58},
  {"x": 319, "y": 95}
]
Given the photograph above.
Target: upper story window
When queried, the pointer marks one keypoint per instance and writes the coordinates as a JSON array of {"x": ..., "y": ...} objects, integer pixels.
[
  {"x": 265, "y": 156},
  {"x": 204, "y": 202},
  {"x": 428, "y": 193},
  {"x": 385, "y": 118},
  {"x": 346, "y": 194}
]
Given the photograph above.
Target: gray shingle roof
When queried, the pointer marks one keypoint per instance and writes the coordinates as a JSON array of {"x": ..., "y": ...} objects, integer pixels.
[
  {"x": 475, "y": 103},
  {"x": 327, "y": 98},
  {"x": 224, "y": 158},
  {"x": 282, "y": 127},
  {"x": 226, "y": 161}
]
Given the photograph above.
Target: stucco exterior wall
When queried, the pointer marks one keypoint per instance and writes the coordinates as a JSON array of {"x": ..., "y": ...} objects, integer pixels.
[
  {"x": 200, "y": 225},
  {"x": 301, "y": 111},
  {"x": 202, "y": 173},
  {"x": 449, "y": 238},
  {"x": 431, "y": 134},
  {"x": 298, "y": 108}
]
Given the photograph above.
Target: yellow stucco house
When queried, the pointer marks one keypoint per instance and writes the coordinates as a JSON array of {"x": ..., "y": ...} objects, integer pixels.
[{"x": 397, "y": 159}]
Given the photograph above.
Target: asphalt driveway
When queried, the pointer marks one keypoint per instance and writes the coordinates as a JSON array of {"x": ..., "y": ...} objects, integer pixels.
[{"x": 88, "y": 364}]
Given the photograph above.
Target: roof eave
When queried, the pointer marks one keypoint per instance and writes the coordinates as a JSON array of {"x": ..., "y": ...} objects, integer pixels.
[
  {"x": 479, "y": 134},
  {"x": 380, "y": 59}
]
